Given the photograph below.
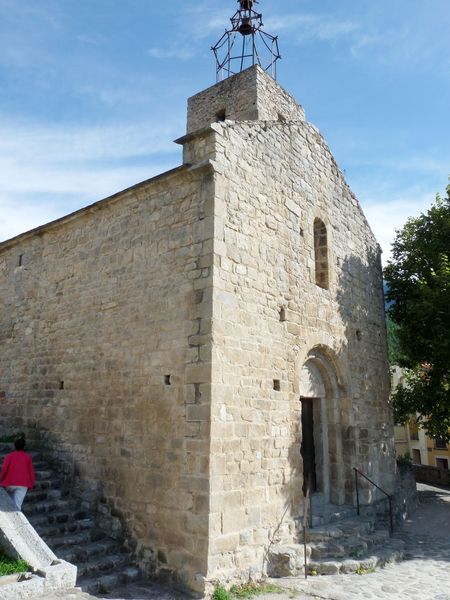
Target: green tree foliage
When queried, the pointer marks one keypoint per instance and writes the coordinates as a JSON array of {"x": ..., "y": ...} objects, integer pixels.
[
  {"x": 395, "y": 354},
  {"x": 418, "y": 278}
]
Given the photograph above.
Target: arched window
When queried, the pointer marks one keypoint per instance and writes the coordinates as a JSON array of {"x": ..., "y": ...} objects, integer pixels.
[{"x": 321, "y": 254}]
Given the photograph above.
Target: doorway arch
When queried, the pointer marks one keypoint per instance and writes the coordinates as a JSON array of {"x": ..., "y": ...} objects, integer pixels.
[{"x": 322, "y": 453}]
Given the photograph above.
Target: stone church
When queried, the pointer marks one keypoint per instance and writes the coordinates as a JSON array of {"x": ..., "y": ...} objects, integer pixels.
[{"x": 198, "y": 347}]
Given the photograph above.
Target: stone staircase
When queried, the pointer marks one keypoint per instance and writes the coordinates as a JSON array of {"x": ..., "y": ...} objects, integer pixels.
[
  {"x": 338, "y": 541},
  {"x": 72, "y": 533}
]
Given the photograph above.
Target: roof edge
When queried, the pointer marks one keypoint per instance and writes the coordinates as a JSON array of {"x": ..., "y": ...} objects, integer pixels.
[{"x": 98, "y": 205}]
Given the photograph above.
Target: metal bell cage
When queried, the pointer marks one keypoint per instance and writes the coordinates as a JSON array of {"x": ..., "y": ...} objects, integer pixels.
[{"x": 246, "y": 44}]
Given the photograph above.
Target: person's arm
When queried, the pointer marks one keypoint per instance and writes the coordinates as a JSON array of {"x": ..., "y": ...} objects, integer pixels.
[
  {"x": 32, "y": 474},
  {"x": 5, "y": 468}
]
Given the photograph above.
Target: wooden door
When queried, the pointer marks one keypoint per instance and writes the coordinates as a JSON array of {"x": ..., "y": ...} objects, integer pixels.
[{"x": 307, "y": 448}]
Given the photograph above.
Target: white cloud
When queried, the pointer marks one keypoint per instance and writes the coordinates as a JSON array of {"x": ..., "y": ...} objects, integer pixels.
[
  {"x": 178, "y": 52},
  {"x": 44, "y": 193},
  {"x": 394, "y": 188},
  {"x": 17, "y": 217},
  {"x": 404, "y": 42},
  {"x": 53, "y": 144},
  {"x": 91, "y": 40},
  {"x": 201, "y": 20},
  {"x": 48, "y": 172},
  {"x": 366, "y": 41},
  {"x": 425, "y": 164},
  {"x": 66, "y": 179},
  {"x": 198, "y": 23},
  {"x": 389, "y": 213},
  {"x": 311, "y": 26}
]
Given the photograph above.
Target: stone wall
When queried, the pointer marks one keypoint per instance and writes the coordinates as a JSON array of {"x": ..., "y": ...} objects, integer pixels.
[
  {"x": 106, "y": 351},
  {"x": 269, "y": 317},
  {"x": 405, "y": 497},
  {"x": 432, "y": 475},
  {"x": 251, "y": 95}
]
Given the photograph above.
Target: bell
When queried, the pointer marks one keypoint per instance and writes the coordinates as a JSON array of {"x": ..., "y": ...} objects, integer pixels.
[
  {"x": 246, "y": 4},
  {"x": 246, "y": 27}
]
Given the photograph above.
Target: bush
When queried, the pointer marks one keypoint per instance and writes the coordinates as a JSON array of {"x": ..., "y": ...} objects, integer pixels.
[{"x": 404, "y": 460}]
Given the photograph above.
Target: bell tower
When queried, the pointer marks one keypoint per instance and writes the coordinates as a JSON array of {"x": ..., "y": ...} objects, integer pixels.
[{"x": 248, "y": 96}]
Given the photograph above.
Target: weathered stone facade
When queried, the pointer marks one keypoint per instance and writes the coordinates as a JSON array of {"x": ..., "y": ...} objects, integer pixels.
[
  {"x": 107, "y": 304},
  {"x": 161, "y": 340}
]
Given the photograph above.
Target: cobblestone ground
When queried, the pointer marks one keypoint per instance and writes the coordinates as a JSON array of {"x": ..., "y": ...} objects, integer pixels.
[
  {"x": 424, "y": 575},
  {"x": 148, "y": 591}
]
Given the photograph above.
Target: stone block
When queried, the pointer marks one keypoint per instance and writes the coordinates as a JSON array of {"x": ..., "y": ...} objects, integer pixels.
[
  {"x": 198, "y": 412},
  {"x": 225, "y": 543},
  {"x": 21, "y": 541},
  {"x": 234, "y": 520},
  {"x": 198, "y": 373},
  {"x": 19, "y": 537},
  {"x": 286, "y": 561}
]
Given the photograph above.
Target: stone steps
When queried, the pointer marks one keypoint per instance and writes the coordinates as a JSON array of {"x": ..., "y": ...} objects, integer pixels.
[
  {"x": 348, "y": 527},
  {"x": 47, "y": 506},
  {"x": 58, "y": 517},
  {"x": 391, "y": 552},
  {"x": 59, "y": 529},
  {"x": 108, "y": 581},
  {"x": 7, "y": 447},
  {"x": 110, "y": 562},
  {"x": 338, "y": 549},
  {"x": 79, "y": 554},
  {"x": 72, "y": 533},
  {"x": 323, "y": 513},
  {"x": 42, "y": 495},
  {"x": 39, "y": 464},
  {"x": 42, "y": 474},
  {"x": 49, "y": 483},
  {"x": 74, "y": 540},
  {"x": 352, "y": 544}
]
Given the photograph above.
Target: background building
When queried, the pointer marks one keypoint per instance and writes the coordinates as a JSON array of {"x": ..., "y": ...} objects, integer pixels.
[{"x": 412, "y": 440}]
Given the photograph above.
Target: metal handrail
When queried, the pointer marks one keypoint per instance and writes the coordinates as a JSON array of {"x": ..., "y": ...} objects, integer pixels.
[
  {"x": 307, "y": 502},
  {"x": 389, "y": 496}
]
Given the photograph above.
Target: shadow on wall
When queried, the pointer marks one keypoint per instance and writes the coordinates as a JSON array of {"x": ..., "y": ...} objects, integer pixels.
[
  {"x": 75, "y": 481},
  {"x": 89, "y": 491},
  {"x": 349, "y": 388},
  {"x": 360, "y": 300}
]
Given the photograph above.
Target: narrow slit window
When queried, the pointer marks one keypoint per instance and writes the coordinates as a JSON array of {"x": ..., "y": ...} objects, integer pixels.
[{"x": 321, "y": 254}]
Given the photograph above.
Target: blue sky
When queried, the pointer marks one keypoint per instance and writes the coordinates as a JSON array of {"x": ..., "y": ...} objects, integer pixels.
[{"x": 92, "y": 93}]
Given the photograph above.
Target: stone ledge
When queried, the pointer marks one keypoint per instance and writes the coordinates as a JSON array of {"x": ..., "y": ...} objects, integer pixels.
[
  {"x": 21, "y": 541},
  {"x": 431, "y": 475}
]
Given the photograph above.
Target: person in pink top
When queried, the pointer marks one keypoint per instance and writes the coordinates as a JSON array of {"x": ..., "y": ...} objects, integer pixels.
[{"x": 17, "y": 475}]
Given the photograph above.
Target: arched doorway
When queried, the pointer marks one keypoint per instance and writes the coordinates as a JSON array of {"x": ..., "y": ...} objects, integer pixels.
[{"x": 321, "y": 446}]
